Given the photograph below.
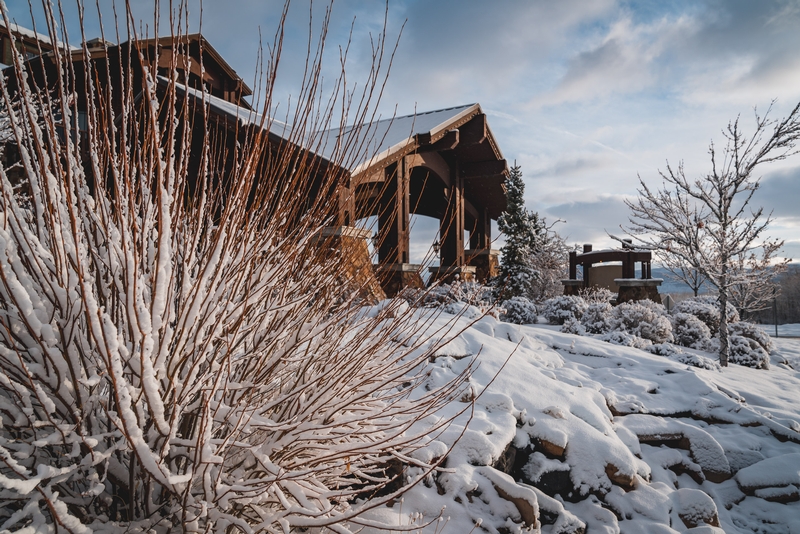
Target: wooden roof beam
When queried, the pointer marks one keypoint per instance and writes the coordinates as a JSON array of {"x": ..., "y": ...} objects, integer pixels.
[
  {"x": 484, "y": 168},
  {"x": 448, "y": 141},
  {"x": 474, "y": 132}
]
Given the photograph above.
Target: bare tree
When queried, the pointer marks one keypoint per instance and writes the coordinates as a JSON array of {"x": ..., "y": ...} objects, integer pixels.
[
  {"x": 551, "y": 261},
  {"x": 756, "y": 284},
  {"x": 176, "y": 347},
  {"x": 708, "y": 223},
  {"x": 681, "y": 271}
]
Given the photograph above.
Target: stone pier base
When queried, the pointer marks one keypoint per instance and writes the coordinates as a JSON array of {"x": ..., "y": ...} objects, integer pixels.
[
  {"x": 394, "y": 277},
  {"x": 351, "y": 257},
  {"x": 634, "y": 289},
  {"x": 486, "y": 263},
  {"x": 448, "y": 275},
  {"x": 572, "y": 287}
]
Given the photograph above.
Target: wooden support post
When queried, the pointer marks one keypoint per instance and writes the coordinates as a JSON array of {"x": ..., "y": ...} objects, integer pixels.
[
  {"x": 480, "y": 238},
  {"x": 451, "y": 226},
  {"x": 347, "y": 207},
  {"x": 573, "y": 265},
  {"x": 393, "y": 223}
]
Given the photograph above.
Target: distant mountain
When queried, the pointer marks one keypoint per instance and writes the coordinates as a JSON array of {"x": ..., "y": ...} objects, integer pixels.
[{"x": 672, "y": 286}]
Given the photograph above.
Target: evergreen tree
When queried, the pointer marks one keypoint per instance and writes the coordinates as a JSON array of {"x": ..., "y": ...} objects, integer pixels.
[{"x": 524, "y": 232}]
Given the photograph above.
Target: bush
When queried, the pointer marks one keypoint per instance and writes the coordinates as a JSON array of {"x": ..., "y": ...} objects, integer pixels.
[
  {"x": 747, "y": 352},
  {"x": 597, "y": 294},
  {"x": 558, "y": 309},
  {"x": 644, "y": 319},
  {"x": 690, "y": 331},
  {"x": 752, "y": 331},
  {"x": 597, "y": 318},
  {"x": 698, "y": 361},
  {"x": 626, "y": 339},
  {"x": 706, "y": 308},
  {"x": 174, "y": 351},
  {"x": 573, "y": 326},
  {"x": 436, "y": 296},
  {"x": 519, "y": 310}
]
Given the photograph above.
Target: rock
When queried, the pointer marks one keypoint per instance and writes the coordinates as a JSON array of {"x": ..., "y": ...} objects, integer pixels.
[
  {"x": 524, "y": 498},
  {"x": 552, "y": 449},
  {"x": 623, "y": 480},
  {"x": 783, "y": 495},
  {"x": 696, "y": 508},
  {"x": 775, "y": 472}
]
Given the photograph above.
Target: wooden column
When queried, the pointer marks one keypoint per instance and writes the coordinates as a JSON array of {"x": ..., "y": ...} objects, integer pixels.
[
  {"x": 393, "y": 223},
  {"x": 347, "y": 206},
  {"x": 451, "y": 226},
  {"x": 481, "y": 237}
]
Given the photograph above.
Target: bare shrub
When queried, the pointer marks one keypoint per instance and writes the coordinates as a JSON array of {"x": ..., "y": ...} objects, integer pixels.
[{"x": 175, "y": 347}]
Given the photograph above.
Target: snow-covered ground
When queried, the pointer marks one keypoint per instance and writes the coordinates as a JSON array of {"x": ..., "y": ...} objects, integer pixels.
[
  {"x": 783, "y": 329},
  {"x": 609, "y": 439}
]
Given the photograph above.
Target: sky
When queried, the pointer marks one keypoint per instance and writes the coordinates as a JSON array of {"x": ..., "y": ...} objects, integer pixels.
[{"x": 586, "y": 96}]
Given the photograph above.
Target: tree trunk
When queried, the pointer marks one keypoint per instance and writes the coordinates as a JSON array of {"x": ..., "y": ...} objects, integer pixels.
[{"x": 724, "y": 349}]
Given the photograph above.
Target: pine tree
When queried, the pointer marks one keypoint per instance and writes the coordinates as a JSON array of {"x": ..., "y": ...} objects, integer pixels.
[{"x": 524, "y": 232}]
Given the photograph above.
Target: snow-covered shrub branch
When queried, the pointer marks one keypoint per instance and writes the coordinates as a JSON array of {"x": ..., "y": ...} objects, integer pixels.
[{"x": 175, "y": 347}]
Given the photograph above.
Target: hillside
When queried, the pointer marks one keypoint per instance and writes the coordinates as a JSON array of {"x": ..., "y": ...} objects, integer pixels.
[{"x": 606, "y": 439}]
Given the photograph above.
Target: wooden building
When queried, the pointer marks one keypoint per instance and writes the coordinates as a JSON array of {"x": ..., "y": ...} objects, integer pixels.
[{"x": 444, "y": 164}]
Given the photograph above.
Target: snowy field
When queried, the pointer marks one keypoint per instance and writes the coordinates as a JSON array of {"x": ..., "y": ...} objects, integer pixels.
[
  {"x": 609, "y": 439},
  {"x": 783, "y": 329}
]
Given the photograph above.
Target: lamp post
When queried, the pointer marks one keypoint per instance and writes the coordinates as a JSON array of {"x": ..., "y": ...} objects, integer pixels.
[{"x": 775, "y": 308}]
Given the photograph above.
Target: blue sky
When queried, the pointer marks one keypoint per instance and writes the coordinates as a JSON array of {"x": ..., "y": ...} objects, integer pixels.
[{"x": 584, "y": 95}]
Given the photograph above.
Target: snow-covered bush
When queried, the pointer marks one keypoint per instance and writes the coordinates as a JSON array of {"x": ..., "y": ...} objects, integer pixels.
[
  {"x": 573, "y": 326},
  {"x": 174, "y": 348},
  {"x": 597, "y": 317},
  {"x": 664, "y": 349},
  {"x": 597, "y": 294},
  {"x": 645, "y": 319},
  {"x": 706, "y": 308},
  {"x": 558, "y": 309},
  {"x": 700, "y": 362},
  {"x": 440, "y": 295},
  {"x": 626, "y": 339},
  {"x": 749, "y": 345},
  {"x": 752, "y": 331},
  {"x": 519, "y": 310},
  {"x": 689, "y": 331},
  {"x": 748, "y": 352}
]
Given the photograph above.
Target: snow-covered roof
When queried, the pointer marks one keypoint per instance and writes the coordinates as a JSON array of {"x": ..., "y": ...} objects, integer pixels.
[
  {"x": 245, "y": 116},
  {"x": 21, "y": 31},
  {"x": 383, "y": 137}
]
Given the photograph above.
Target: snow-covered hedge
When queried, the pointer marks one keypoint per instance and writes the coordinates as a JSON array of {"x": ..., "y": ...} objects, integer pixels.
[
  {"x": 752, "y": 331},
  {"x": 518, "y": 310},
  {"x": 747, "y": 352},
  {"x": 597, "y": 317},
  {"x": 689, "y": 331},
  {"x": 749, "y": 345},
  {"x": 573, "y": 326},
  {"x": 706, "y": 308},
  {"x": 558, "y": 309},
  {"x": 440, "y": 295},
  {"x": 645, "y": 319},
  {"x": 626, "y": 339}
]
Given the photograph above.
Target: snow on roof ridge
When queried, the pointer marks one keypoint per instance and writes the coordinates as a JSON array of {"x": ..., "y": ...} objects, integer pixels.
[
  {"x": 430, "y": 112},
  {"x": 27, "y": 32}
]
